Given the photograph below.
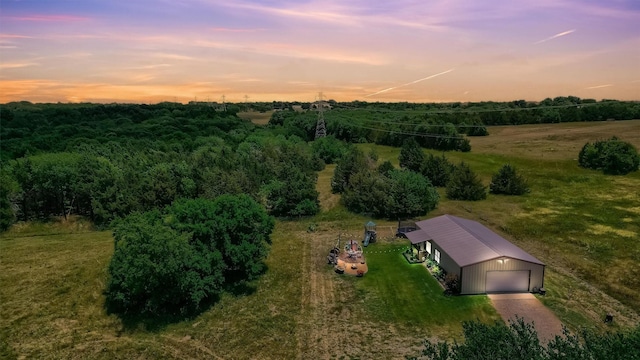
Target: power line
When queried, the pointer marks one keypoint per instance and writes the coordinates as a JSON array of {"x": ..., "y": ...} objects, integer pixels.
[
  {"x": 456, "y": 111},
  {"x": 425, "y": 124},
  {"x": 436, "y": 136}
]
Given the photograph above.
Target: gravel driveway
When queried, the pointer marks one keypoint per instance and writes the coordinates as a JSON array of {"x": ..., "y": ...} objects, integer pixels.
[{"x": 530, "y": 309}]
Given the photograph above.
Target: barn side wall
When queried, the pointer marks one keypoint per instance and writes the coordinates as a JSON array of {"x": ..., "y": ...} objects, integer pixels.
[{"x": 474, "y": 276}]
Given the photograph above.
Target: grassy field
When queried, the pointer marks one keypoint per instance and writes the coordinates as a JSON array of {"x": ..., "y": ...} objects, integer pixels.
[
  {"x": 256, "y": 117},
  {"x": 582, "y": 224}
]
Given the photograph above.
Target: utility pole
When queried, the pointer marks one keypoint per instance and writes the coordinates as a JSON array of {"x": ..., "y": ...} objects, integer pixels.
[{"x": 321, "y": 130}]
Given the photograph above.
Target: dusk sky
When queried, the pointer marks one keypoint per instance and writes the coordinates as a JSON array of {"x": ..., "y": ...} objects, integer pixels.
[{"x": 371, "y": 50}]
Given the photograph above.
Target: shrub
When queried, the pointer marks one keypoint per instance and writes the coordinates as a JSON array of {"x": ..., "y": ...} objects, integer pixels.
[
  {"x": 436, "y": 270},
  {"x": 452, "y": 283},
  {"x": 519, "y": 340},
  {"x": 437, "y": 169},
  {"x": 8, "y": 186},
  {"x": 477, "y": 130},
  {"x": 508, "y": 182},
  {"x": 465, "y": 185},
  {"x": 613, "y": 156}
]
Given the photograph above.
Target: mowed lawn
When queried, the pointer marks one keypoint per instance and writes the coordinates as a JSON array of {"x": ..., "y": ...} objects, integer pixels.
[{"x": 403, "y": 293}]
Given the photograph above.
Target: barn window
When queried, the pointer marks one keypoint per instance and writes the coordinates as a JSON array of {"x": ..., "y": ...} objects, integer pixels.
[
  {"x": 436, "y": 255},
  {"x": 429, "y": 247}
]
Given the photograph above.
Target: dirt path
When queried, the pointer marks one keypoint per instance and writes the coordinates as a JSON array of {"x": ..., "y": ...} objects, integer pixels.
[
  {"x": 530, "y": 309},
  {"x": 317, "y": 296}
]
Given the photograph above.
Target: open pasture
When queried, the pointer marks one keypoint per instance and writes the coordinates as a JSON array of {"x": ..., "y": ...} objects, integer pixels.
[{"x": 256, "y": 117}]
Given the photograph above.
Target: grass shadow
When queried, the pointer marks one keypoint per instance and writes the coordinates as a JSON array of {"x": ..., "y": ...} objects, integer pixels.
[
  {"x": 236, "y": 285},
  {"x": 132, "y": 322}
]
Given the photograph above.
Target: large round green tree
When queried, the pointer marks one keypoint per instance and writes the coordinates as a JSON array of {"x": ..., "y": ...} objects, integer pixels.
[
  {"x": 155, "y": 270},
  {"x": 178, "y": 261},
  {"x": 411, "y": 195}
]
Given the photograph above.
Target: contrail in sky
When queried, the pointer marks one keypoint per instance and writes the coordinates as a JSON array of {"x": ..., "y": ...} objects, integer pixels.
[
  {"x": 598, "y": 86},
  {"x": 555, "y": 36},
  {"x": 410, "y": 83}
]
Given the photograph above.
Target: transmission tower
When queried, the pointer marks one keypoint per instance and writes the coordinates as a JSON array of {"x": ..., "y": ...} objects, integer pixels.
[
  {"x": 224, "y": 105},
  {"x": 321, "y": 130}
]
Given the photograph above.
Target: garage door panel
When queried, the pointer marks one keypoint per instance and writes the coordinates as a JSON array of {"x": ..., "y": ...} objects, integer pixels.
[{"x": 507, "y": 281}]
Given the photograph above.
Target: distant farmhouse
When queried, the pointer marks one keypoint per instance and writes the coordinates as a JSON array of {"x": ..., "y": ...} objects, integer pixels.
[{"x": 484, "y": 261}]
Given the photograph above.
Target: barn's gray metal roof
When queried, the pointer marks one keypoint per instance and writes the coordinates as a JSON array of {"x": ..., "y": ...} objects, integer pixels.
[{"x": 467, "y": 242}]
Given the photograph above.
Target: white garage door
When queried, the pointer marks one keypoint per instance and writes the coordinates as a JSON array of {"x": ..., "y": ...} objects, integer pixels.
[{"x": 508, "y": 281}]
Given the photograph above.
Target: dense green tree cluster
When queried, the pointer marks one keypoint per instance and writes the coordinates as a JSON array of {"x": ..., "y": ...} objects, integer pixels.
[
  {"x": 461, "y": 182},
  {"x": 613, "y": 156},
  {"x": 329, "y": 149},
  {"x": 179, "y": 260},
  {"x": 104, "y": 182},
  {"x": 519, "y": 341},
  {"x": 352, "y": 162},
  {"x": 356, "y": 126},
  {"x": 508, "y": 182},
  {"x": 384, "y": 192},
  {"x": 29, "y": 129},
  {"x": 437, "y": 169}
]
